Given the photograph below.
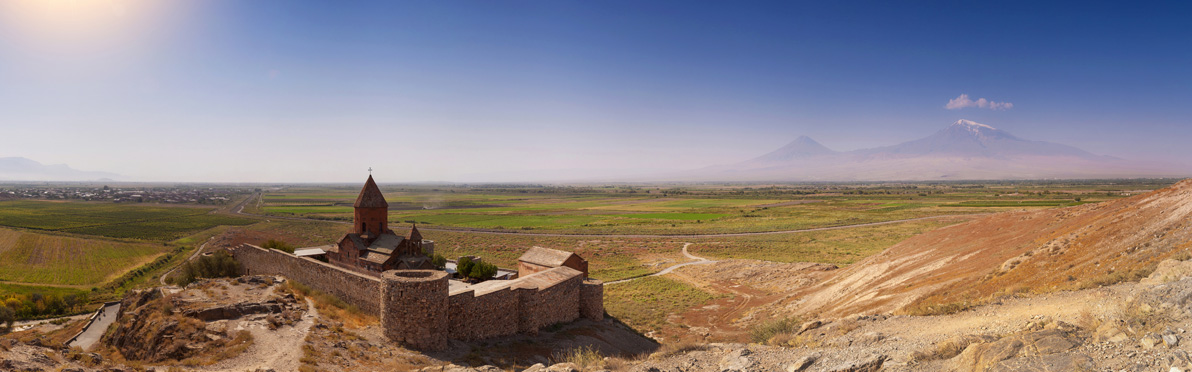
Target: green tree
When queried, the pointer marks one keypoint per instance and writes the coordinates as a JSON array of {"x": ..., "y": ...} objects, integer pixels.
[
  {"x": 464, "y": 267},
  {"x": 483, "y": 271},
  {"x": 278, "y": 245},
  {"x": 7, "y": 317},
  {"x": 439, "y": 261}
]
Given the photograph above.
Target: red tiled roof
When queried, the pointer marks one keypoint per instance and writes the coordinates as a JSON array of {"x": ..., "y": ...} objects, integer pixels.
[
  {"x": 545, "y": 256},
  {"x": 370, "y": 196},
  {"x": 415, "y": 236}
]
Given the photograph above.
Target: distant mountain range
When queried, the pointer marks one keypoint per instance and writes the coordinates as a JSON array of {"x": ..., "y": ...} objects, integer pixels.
[
  {"x": 23, "y": 169},
  {"x": 965, "y": 150}
]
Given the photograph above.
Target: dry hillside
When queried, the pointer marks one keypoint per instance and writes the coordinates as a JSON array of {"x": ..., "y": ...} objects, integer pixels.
[{"x": 1030, "y": 251}]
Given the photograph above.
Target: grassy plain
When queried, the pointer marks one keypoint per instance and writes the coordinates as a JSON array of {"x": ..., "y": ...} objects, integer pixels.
[
  {"x": 126, "y": 221},
  {"x": 645, "y": 303},
  {"x": 692, "y": 209},
  {"x": 37, "y": 258},
  {"x": 841, "y": 247}
]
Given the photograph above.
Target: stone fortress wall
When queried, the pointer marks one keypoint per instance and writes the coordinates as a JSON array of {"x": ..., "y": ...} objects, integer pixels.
[
  {"x": 361, "y": 290},
  {"x": 417, "y": 309}
]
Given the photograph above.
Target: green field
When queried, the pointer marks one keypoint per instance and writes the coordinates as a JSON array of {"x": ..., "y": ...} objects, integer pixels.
[
  {"x": 35, "y": 258},
  {"x": 645, "y": 303},
  {"x": 127, "y": 221},
  {"x": 707, "y": 210}
]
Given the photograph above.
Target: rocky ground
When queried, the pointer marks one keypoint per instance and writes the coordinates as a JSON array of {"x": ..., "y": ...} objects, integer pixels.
[{"x": 1140, "y": 326}]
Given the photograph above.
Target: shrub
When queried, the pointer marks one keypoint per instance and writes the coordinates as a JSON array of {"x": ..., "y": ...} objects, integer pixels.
[
  {"x": 760, "y": 333},
  {"x": 7, "y": 317},
  {"x": 219, "y": 265},
  {"x": 278, "y": 245},
  {"x": 439, "y": 261}
]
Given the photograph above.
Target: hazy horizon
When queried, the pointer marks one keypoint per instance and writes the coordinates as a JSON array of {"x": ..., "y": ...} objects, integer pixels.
[{"x": 286, "y": 91}]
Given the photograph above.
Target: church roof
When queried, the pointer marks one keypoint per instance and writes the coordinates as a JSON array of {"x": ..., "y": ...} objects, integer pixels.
[
  {"x": 386, "y": 243},
  {"x": 415, "y": 236},
  {"x": 546, "y": 256},
  {"x": 370, "y": 196}
]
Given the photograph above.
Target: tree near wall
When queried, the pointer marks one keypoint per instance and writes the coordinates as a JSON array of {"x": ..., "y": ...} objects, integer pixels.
[
  {"x": 483, "y": 271},
  {"x": 464, "y": 267},
  {"x": 278, "y": 245}
]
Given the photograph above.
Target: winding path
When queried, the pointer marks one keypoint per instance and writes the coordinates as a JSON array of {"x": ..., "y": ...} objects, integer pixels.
[
  {"x": 272, "y": 350},
  {"x": 192, "y": 256},
  {"x": 695, "y": 260},
  {"x": 240, "y": 210}
]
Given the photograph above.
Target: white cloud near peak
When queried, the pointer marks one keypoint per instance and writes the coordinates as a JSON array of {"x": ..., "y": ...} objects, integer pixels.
[{"x": 963, "y": 101}]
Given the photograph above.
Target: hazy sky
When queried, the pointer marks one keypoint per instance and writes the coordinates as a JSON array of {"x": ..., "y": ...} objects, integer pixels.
[{"x": 287, "y": 90}]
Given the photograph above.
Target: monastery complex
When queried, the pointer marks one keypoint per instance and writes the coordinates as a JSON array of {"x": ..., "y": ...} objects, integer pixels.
[{"x": 392, "y": 277}]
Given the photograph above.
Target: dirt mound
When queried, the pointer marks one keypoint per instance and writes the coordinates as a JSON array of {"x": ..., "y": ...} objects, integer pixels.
[
  {"x": 959, "y": 266},
  {"x": 191, "y": 326}
]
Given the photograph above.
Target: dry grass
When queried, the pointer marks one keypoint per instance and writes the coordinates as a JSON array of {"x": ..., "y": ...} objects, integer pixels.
[
  {"x": 583, "y": 357},
  {"x": 815, "y": 337},
  {"x": 669, "y": 350},
  {"x": 763, "y": 332},
  {"x": 330, "y": 306},
  {"x": 1143, "y": 318}
]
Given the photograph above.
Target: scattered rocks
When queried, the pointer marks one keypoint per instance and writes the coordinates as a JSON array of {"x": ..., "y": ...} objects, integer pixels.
[
  {"x": 809, "y": 326},
  {"x": 1149, "y": 341},
  {"x": 871, "y": 338},
  {"x": 1034, "y": 346},
  {"x": 802, "y": 363},
  {"x": 234, "y": 311},
  {"x": 736, "y": 361},
  {"x": 1047, "y": 363},
  {"x": 872, "y": 363},
  {"x": 1171, "y": 340}
]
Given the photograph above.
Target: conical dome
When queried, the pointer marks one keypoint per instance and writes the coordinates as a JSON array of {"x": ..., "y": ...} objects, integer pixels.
[
  {"x": 370, "y": 196},
  {"x": 414, "y": 234}
]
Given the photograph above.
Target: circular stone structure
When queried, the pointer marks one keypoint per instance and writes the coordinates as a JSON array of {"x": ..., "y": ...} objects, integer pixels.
[{"x": 414, "y": 308}]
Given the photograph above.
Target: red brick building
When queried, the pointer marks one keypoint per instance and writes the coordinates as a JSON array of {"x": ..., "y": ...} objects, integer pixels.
[
  {"x": 539, "y": 259},
  {"x": 372, "y": 247}
]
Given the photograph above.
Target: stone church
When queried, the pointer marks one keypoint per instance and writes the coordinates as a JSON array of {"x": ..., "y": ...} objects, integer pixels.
[{"x": 372, "y": 247}]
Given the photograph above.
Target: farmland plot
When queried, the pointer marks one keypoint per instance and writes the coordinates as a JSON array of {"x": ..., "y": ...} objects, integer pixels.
[{"x": 35, "y": 258}]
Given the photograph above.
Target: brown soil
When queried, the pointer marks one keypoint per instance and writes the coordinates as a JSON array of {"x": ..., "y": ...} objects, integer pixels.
[{"x": 1015, "y": 252}]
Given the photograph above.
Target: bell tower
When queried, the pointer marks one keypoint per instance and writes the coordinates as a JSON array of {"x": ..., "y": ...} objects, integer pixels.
[{"x": 372, "y": 211}]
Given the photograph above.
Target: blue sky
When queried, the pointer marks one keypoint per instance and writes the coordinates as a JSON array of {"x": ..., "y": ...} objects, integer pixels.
[{"x": 282, "y": 91}]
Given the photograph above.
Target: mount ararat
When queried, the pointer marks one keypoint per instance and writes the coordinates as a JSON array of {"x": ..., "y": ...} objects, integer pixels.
[{"x": 965, "y": 150}]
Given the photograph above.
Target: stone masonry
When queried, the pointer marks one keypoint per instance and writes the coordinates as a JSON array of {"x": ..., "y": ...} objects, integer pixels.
[
  {"x": 417, "y": 309},
  {"x": 414, "y": 309}
]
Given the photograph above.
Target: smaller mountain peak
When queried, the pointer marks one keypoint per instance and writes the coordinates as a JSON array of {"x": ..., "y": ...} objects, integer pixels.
[{"x": 802, "y": 147}]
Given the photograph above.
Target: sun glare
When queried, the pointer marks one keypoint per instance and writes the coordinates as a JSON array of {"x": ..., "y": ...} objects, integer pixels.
[{"x": 75, "y": 22}]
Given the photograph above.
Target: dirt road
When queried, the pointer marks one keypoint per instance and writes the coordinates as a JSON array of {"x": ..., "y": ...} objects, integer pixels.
[
  {"x": 93, "y": 332},
  {"x": 695, "y": 260},
  {"x": 192, "y": 256}
]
